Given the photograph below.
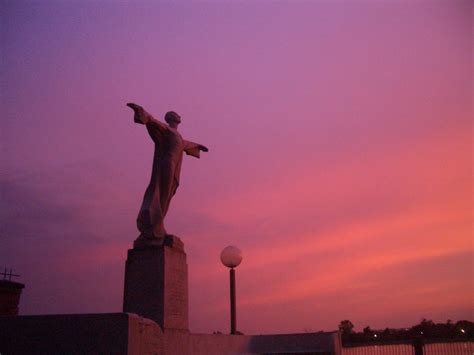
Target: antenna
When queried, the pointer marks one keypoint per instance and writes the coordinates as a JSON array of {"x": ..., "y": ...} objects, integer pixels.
[{"x": 8, "y": 274}]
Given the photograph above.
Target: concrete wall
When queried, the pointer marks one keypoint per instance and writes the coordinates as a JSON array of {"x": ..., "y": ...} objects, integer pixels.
[
  {"x": 117, "y": 333},
  {"x": 144, "y": 336},
  {"x": 124, "y": 333},
  {"x": 210, "y": 344}
]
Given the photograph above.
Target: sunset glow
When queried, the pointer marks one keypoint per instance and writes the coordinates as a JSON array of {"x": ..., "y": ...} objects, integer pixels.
[{"x": 339, "y": 163}]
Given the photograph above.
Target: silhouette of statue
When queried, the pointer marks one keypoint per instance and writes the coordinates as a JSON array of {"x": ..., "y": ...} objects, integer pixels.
[{"x": 169, "y": 148}]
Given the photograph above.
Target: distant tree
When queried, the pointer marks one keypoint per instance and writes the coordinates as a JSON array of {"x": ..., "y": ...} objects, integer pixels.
[
  {"x": 368, "y": 331},
  {"x": 465, "y": 324},
  {"x": 426, "y": 323},
  {"x": 346, "y": 327},
  {"x": 465, "y": 328},
  {"x": 425, "y": 330}
]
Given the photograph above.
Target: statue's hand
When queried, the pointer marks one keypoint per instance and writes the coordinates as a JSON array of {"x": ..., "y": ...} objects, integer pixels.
[
  {"x": 134, "y": 107},
  {"x": 140, "y": 116},
  {"x": 203, "y": 148}
]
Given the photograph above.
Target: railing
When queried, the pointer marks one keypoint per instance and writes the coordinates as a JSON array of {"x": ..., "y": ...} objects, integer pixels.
[
  {"x": 455, "y": 348},
  {"x": 464, "y": 348},
  {"x": 399, "y": 349}
]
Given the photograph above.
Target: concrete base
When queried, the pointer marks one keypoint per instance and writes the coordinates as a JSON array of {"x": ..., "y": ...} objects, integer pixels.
[{"x": 156, "y": 284}]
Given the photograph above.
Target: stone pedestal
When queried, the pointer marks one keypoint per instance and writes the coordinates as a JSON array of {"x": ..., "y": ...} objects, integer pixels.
[{"x": 156, "y": 284}]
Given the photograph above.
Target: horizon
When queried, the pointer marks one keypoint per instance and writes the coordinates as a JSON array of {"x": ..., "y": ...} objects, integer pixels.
[{"x": 340, "y": 156}]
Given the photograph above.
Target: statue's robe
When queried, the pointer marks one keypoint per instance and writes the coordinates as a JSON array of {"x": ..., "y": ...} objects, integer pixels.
[{"x": 169, "y": 148}]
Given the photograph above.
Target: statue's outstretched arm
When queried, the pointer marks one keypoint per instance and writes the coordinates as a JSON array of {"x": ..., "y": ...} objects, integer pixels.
[
  {"x": 155, "y": 128},
  {"x": 194, "y": 149}
]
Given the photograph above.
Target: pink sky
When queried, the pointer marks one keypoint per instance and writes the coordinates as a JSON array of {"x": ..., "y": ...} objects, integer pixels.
[{"x": 340, "y": 155}]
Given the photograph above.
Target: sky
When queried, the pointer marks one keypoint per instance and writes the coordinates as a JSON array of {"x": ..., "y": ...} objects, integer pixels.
[{"x": 340, "y": 155}]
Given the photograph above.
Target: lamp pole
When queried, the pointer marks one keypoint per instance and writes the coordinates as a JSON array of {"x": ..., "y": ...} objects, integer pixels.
[
  {"x": 233, "y": 316},
  {"x": 232, "y": 257}
]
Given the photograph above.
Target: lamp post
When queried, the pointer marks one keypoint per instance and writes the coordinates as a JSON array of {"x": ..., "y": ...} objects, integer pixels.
[{"x": 232, "y": 257}]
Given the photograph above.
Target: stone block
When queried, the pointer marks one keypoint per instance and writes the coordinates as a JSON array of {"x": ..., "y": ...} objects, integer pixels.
[{"x": 156, "y": 284}]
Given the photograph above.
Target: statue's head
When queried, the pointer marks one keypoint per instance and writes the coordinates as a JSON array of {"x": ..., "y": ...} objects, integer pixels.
[{"x": 172, "y": 117}]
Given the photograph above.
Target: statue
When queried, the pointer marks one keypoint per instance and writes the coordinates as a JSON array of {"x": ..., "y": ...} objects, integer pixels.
[{"x": 169, "y": 148}]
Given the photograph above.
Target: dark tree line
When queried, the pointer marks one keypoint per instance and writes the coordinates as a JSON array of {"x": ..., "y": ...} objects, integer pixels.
[{"x": 426, "y": 331}]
